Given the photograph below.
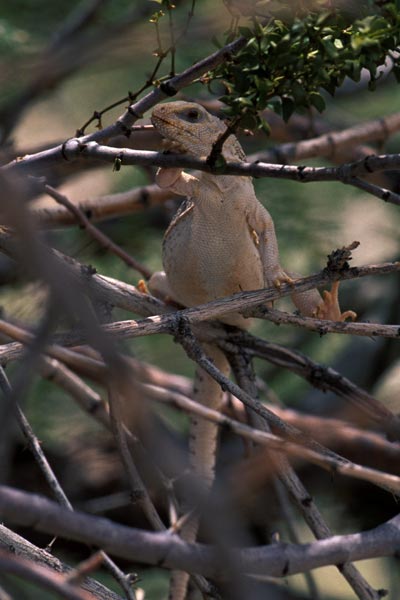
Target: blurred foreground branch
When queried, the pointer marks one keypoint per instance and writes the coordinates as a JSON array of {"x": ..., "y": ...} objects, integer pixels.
[{"x": 166, "y": 550}]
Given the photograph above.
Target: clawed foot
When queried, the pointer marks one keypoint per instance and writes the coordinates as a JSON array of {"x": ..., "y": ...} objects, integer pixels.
[
  {"x": 329, "y": 309},
  {"x": 282, "y": 277}
]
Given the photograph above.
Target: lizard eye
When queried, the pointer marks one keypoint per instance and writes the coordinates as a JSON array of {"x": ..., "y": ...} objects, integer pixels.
[{"x": 193, "y": 115}]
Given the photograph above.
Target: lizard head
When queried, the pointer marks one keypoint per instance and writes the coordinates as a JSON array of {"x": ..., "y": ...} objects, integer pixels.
[{"x": 192, "y": 129}]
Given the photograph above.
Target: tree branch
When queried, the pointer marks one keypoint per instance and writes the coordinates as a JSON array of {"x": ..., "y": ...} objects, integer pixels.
[
  {"x": 347, "y": 173},
  {"x": 323, "y": 327},
  {"x": 332, "y": 143},
  {"x": 135, "y": 111},
  {"x": 26, "y": 550},
  {"x": 43, "y": 576},
  {"x": 332, "y": 463},
  {"x": 169, "y": 551},
  {"x": 105, "y": 207},
  {"x": 98, "y": 235}
]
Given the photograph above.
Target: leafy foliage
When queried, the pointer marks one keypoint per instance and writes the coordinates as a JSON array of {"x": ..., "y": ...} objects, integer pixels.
[{"x": 285, "y": 64}]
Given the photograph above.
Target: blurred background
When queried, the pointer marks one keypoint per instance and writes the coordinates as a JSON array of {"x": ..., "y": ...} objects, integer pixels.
[{"x": 53, "y": 75}]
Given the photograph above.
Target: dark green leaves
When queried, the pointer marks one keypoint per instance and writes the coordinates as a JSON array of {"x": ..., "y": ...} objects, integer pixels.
[{"x": 286, "y": 64}]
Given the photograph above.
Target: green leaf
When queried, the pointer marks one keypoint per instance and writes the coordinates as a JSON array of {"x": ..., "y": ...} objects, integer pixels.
[
  {"x": 299, "y": 92},
  {"x": 329, "y": 47},
  {"x": 286, "y": 63},
  {"x": 318, "y": 101},
  {"x": 288, "y": 108},
  {"x": 264, "y": 126}
]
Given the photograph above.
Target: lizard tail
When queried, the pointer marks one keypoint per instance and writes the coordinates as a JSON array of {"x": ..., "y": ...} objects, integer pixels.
[{"x": 202, "y": 452}]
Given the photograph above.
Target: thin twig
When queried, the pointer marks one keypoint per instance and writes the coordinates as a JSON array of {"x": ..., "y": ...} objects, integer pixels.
[
  {"x": 93, "y": 563},
  {"x": 318, "y": 375},
  {"x": 289, "y": 518},
  {"x": 105, "y": 207},
  {"x": 292, "y": 483},
  {"x": 92, "y": 403},
  {"x": 182, "y": 402},
  {"x": 194, "y": 351},
  {"x": 304, "y": 502},
  {"x": 322, "y": 326},
  {"x": 9, "y": 563},
  {"x": 330, "y": 144},
  {"x": 34, "y": 444},
  {"x": 98, "y": 235},
  {"x": 244, "y": 374},
  {"x": 138, "y": 490},
  {"x": 135, "y": 111},
  {"x": 45, "y": 466},
  {"x": 127, "y": 297},
  {"x": 321, "y": 377}
]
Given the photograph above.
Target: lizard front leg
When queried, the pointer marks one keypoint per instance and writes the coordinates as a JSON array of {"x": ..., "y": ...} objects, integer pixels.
[
  {"x": 177, "y": 181},
  {"x": 309, "y": 303},
  {"x": 262, "y": 230}
]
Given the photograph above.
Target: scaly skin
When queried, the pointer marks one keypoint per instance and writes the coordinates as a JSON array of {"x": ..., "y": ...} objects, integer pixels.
[{"x": 221, "y": 241}]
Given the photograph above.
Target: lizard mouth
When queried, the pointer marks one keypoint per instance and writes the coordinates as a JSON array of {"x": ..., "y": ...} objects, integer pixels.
[
  {"x": 173, "y": 146},
  {"x": 169, "y": 143}
]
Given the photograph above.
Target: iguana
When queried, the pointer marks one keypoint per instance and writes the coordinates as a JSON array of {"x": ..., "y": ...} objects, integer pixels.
[{"x": 221, "y": 241}]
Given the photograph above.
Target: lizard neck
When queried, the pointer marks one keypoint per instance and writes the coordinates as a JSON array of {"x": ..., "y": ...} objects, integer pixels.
[{"x": 230, "y": 185}]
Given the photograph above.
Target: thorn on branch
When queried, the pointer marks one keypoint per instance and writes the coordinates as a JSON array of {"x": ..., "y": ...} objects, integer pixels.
[{"x": 88, "y": 270}]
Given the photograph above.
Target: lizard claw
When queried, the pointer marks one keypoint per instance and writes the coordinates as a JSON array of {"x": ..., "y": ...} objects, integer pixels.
[
  {"x": 142, "y": 287},
  {"x": 282, "y": 277},
  {"x": 329, "y": 308}
]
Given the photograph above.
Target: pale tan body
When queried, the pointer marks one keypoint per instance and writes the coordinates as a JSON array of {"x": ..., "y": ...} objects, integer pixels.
[
  {"x": 222, "y": 241},
  {"x": 204, "y": 260}
]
